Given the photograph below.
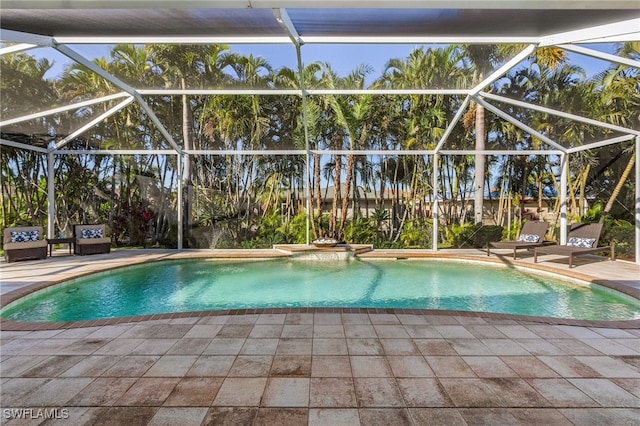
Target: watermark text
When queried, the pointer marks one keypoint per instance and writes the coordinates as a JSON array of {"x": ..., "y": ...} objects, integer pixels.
[{"x": 35, "y": 413}]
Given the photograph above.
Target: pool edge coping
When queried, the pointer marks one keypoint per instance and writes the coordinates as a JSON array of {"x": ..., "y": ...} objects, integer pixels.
[{"x": 10, "y": 297}]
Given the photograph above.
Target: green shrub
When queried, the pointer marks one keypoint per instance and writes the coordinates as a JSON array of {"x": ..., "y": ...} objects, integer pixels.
[
  {"x": 620, "y": 233},
  {"x": 510, "y": 234},
  {"x": 295, "y": 230},
  {"x": 381, "y": 243},
  {"x": 470, "y": 235},
  {"x": 360, "y": 231},
  {"x": 170, "y": 238},
  {"x": 417, "y": 233},
  {"x": 456, "y": 235},
  {"x": 485, "y": 233}
]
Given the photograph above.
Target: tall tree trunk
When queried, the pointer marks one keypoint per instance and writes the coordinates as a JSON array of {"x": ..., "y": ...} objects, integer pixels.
[
  {"x": 347, "y": 189},
  {"x": 620, "y": 184},
  {"x": 383, "y": 174},
  {"x": 336, "y": 196},
  {"x": 539, "y": 195},
  {"x": 573, "y": 204},
  {"x": 187, "y": 135},
  {"x": 583, "y": 184},
  {"x": 395, "y": 202},
  {"x": 316, "y": 189}
]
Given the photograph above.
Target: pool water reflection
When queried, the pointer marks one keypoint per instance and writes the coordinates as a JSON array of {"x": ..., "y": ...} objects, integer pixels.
[{"x": 205, "y": 284}]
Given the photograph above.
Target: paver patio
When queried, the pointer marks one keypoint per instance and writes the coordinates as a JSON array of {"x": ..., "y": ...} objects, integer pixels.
[{"x": 316, "y": 367}]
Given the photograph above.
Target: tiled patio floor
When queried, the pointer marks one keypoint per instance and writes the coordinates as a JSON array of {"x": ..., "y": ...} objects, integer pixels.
[{"x": 320, "y": 368}]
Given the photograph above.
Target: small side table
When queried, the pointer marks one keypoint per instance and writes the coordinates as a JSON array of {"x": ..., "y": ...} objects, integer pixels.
[{"x": 51, "y": 241}]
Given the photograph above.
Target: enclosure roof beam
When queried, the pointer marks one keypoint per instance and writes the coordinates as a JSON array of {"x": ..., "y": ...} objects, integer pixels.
[
  {"x": 600, "y": 144},
  {"x": 373, "y": 152},
  {"x": 559, "y": 113},
  {"x": 587, "y": 35},
  {"x": 62, "y": 109},
  {"x": 119, "y": 83},
  {"x": 17, "y": 48},
  {"x": 114, "y": 151},
  {"x": 173, "y": 40},
  {"x": 442, "y": 39},
  {"x": 246, "y": 152},
  {"x": 617, "y": 39},
  {"x": 601, "y": 55},
  {"x": 431, "y": 152},
  {"x": 213, "y": 92},
  {"x": 5, "y": 142},
  {"x": 453, "y": 123},
  {"x": 504, "y": 69},
  {"x": 282, "y": 16},
  {"x": 499, "y": 152},
  {"x": 92, "y": 123},
  {"x": 387, "y": 91},
  {"x": 28, "y": 38},
  {"x": 267, "y": 152},
  {"x": 519, "y": 124},
  {"x": 148, "y": 92}
]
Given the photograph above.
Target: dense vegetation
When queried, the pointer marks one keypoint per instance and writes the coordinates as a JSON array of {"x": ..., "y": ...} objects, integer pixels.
[{"x": 245, "y": 199}]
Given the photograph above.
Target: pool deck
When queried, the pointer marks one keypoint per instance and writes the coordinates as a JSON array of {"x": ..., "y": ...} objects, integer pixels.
[{"x": 318, "y": 366}]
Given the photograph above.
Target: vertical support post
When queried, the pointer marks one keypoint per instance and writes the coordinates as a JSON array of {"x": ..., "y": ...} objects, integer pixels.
[
  {"x": 306, "y": 142},
  {"x": 637, "y": 200},
  {"x": 307, "y": 195},
  {"x": 564, "y": 176},
  {"x": 434, "y": 204},
  {"x": 180, "y": 178},
  {"x": 509, "y": 212},
  {"x": 51, "y": 196}
]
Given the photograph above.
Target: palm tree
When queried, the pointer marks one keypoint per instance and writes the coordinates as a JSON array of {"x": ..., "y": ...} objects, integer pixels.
[
  {"x": 428, "y": 114},
  {"x": 24, "y": 89},
  {"x": 621, "y": 93},
  {"x": 240, "y": 122},
  {"x": 24, "y": 86},
  {"x": 187, "y": 66},
  {"x": 352, "y": 113},
  {"x": 313, "y": 114},
  {"x": 481, "y": 60},
  {"x": 79, "y": 83},
  {"x": 334, "y": 137},
  {"x": 134, "y": 64}
]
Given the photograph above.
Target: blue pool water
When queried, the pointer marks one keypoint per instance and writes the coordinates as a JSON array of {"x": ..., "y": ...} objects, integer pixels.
[{"x": 196, "y": 285}]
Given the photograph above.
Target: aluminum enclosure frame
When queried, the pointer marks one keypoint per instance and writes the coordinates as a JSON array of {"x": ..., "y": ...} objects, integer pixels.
[{"x": 573, "y": 40}]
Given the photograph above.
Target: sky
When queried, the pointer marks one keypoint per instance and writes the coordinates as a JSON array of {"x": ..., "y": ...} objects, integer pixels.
[{"x": 343, "y": 58}]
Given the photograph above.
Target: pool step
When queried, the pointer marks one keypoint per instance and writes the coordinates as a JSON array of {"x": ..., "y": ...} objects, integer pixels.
[{"x": 311, "y": 252}]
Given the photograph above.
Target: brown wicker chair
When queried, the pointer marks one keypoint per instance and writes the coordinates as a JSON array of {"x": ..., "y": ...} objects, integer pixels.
[
  {"x": 531, "y": 236},
  {"x": 583, "y": 239},
  {"x": 91, "y": 239},
  {"x": 17, "y": 249}
]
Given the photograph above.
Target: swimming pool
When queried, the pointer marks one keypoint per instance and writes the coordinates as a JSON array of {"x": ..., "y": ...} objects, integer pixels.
[{"x": 206, "y": 284}]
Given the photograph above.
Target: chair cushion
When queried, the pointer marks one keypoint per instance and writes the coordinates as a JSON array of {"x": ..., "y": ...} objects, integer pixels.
[
  {"x": 25, "y": 245},
  {"x": 581, "y": 242},
  {"x": 91, "y": 233},
  {"x": 23, "y": 236},
  {"x": 92, "y": 241},
  {"x": 527, "y": 238}
]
